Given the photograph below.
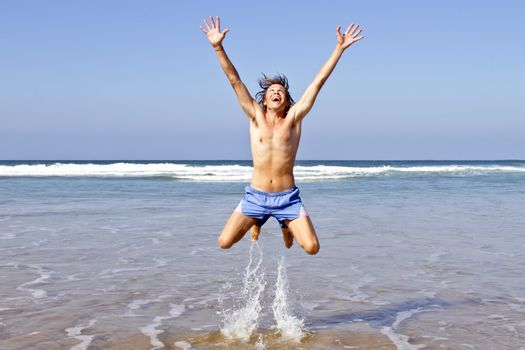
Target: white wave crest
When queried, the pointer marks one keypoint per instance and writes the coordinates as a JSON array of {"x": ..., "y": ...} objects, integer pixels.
[
  {"x": 339, "y": 172},
  {"x": 243, "y": 173},
  {"x": 179, "y": 171}
]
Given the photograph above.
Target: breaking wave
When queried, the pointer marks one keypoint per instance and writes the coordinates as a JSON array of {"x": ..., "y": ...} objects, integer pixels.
[{"x": 242, "y": 172}]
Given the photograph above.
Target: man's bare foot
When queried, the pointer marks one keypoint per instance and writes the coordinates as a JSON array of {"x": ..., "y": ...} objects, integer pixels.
[
  {"x": 256, "y": 230},
  {"x": 287, "y": 237}
]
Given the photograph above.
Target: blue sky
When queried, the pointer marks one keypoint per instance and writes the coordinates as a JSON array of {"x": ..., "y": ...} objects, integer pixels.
[{"x": 138, "y": 80}]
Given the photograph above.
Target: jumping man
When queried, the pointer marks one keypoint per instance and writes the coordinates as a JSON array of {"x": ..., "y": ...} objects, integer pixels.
[{"x": 275, "y": 132}]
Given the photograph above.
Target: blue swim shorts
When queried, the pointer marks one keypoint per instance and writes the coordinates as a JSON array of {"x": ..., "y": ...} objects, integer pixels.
[{"x": 285, "y": 205}]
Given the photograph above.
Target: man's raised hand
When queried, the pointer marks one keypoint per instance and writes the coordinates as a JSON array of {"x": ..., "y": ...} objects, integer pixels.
[
  {"x": 213, "y": 31},
  {"x": 349, "y": 37}
]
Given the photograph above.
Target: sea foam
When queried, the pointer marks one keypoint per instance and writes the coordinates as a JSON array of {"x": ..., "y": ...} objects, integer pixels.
[
  {"x": 243, "y": 173},
  {"x": 76, "y": 332},
  {"x": 152, "y": 330}
]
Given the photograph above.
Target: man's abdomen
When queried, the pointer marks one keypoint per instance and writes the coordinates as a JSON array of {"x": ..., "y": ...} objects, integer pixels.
[{"x": 272, "y": 177}]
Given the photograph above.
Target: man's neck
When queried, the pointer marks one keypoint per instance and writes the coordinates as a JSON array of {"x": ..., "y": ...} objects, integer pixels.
[{"x": 273, "y": 115}]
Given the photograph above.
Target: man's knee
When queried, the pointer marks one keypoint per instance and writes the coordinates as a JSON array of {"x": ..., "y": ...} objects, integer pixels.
[
  {"x": 224, "y": 243},
  {"x": 311, "y": 247}
]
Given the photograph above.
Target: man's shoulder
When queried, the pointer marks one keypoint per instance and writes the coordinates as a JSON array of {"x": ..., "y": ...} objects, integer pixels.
[{"x": 291, "y": 115}]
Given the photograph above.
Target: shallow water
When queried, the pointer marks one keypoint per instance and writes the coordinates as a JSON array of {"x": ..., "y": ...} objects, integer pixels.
[{"x": 424, "y": 259}]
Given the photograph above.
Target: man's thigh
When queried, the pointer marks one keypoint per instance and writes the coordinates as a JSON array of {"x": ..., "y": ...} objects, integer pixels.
[{"x": 236, "y": 227}]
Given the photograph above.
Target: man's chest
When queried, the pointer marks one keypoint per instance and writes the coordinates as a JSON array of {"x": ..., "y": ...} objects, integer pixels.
[{"x": 275, "y": 136}]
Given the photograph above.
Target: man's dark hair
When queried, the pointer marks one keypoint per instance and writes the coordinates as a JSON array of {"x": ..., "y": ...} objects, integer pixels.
[{"x": 265, "y": 82}]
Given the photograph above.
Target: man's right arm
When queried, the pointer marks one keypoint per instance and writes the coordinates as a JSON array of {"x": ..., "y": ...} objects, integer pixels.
[{"x": 215, "y": 37}]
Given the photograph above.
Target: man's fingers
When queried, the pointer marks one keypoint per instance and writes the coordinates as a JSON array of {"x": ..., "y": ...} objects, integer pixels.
[
  {"x": 357, "y": 33},
  {"x": 212, "y": 22},
  {"x": 354, "y": 30},
  {"x": 338, "y": 32},
  {"x": 218, "y": 23},
  {"x": 348, "y": 29},
  {"x": 225, "y": 31},
  {"x": 202, "y": 29},
  {"x": 207, "y": 25},
  {"x": 358, "y": 38}
]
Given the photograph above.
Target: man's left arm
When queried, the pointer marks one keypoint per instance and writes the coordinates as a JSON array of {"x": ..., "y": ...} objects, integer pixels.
[{"x": 303, "y": 106}]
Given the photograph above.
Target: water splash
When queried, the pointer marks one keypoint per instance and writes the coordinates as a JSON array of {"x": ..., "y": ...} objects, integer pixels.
[
  {"x": 290, "y": 327},
  {"x": 259, "y": 345},
  {"x": 240, "y": 321}
]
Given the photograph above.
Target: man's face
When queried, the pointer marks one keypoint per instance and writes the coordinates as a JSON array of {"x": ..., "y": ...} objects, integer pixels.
[{"x": 276, "y": 97}]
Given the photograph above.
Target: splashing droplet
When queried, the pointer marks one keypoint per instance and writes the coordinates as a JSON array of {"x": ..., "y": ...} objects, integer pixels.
[
  {"x": 240, "y": 321},
  {"x": 291, "y": 327}
]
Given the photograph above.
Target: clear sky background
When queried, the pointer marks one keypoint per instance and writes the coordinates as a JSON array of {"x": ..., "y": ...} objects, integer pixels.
[{"x": 104, "y": 79}]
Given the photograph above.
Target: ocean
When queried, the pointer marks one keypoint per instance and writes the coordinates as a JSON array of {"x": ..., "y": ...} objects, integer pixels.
[{"x": 124, "y": 255}]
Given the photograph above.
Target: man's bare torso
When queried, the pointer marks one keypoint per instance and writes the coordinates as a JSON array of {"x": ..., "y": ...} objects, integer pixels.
[
  {"x": 274, "y": 144},
  {"x": 274, "y": 135}
]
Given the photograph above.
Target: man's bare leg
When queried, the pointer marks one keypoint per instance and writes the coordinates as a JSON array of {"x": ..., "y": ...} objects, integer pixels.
[
  {"x": 287, "y": 237},
  {"x": 256, "y": 230},
  {"x": 303, "y": 231},
  {"x": 235, "y": 229}
]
